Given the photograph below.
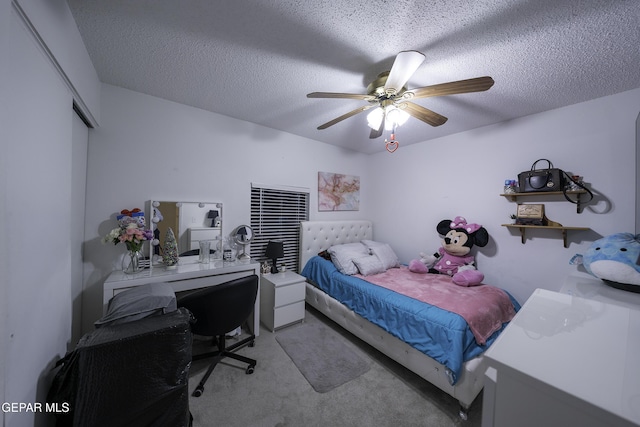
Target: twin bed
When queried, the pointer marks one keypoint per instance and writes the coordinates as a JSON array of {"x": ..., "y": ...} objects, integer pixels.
[{"x": 442, "y": 345}]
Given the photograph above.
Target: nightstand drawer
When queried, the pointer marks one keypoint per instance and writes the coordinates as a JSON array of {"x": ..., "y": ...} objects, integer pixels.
[
  {"x": 289, "y": 294},
  {"x": 288, "y": 314}
]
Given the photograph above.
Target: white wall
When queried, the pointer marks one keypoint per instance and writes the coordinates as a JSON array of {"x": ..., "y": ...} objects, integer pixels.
[
  {"x": 464, "y": 174},
  {"x": 149, "y": 148},
  {"x": 152, "y": 149}
]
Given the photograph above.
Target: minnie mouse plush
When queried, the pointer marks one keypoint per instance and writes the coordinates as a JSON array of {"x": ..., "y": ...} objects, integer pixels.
[{"x": 453, "y": 256}]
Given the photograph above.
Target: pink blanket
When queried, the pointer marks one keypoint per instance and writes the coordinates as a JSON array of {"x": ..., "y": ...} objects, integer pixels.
[{"x": 484, "y": 307}]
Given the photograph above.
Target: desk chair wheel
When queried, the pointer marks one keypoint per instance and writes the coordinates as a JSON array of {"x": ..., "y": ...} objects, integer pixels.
[
  {"x": 250, "y": 370},
  {"x": 198, "y": 391}
]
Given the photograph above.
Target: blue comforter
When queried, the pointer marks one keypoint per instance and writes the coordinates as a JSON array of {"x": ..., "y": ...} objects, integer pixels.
[{"x": 440, "y": 334}]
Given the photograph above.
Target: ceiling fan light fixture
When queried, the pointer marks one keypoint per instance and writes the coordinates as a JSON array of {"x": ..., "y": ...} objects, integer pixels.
[
  {"x": 395, "y": 117},
  {"x": 374, "y": 118}
]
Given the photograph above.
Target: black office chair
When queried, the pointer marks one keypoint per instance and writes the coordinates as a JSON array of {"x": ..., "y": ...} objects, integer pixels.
[{"x": 218, "y": 310}]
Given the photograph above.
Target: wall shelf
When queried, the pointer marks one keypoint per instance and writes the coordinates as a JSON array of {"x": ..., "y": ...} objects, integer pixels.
[
  {"x": 562, "y": 229},
  {"x": 514, "y": 196}
]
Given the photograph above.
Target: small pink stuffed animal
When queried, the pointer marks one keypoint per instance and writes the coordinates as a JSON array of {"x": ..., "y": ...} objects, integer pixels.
[{"x": 453, "y": 257}]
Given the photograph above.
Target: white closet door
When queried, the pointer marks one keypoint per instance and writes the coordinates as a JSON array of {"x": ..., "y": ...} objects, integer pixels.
[{"x": 39, "y": 220}]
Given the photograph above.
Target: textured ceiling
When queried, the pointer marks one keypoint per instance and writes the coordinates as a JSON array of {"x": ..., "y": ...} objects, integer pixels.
[{"x": 257, "y": 60}]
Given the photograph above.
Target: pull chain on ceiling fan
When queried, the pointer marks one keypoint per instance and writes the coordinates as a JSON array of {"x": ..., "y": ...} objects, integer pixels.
[{"x": 390, "y": 98}]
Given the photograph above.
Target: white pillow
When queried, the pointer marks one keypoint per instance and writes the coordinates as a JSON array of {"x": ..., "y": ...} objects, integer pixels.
[
  {"x": 383, "y": 251},
  {"x": 368, "y": 265},
  {"x": 342, "y": 256}
]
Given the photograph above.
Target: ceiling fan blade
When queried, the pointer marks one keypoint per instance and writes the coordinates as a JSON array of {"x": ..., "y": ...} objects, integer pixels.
[
  {"x": 421, "y": 113},
  {"x": 479, "y": 84},
  {"x": 345, "y": 116},
  {"x": 340, "y": 95},
  {"x": 405, "y": 64},
  {"x": 377, "y": 133}
]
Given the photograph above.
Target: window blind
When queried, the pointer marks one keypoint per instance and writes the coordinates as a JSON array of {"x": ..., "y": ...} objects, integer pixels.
[{"x": 276, "y": 213}]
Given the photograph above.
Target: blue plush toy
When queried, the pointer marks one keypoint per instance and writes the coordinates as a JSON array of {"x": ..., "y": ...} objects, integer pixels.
[{"x": 615, "y": 259}]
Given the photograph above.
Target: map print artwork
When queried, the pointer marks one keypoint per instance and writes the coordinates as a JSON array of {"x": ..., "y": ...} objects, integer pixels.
[{"x": 337, "y": 192}]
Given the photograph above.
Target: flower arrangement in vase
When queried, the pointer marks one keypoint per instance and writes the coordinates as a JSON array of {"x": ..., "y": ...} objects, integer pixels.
[{"x": 132, "y": 232}]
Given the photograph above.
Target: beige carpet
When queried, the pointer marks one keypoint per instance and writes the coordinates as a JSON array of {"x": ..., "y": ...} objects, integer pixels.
[{"x": 277, "y": 394}]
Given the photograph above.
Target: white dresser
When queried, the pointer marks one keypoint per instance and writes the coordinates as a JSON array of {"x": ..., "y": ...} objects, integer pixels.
[
  {"x": 564, "y": 361},
  {"x": 584, "y": 285},
  {"x": 282, "y": 299}
]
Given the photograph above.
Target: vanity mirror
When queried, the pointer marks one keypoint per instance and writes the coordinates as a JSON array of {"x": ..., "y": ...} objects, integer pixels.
[
  {"x": 242, "y": 235},
  {"x": 190, "y": 222}
]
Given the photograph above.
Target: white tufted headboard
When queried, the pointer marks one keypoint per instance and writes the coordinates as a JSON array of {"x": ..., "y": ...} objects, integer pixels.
[{"x": 317, "y": 236}]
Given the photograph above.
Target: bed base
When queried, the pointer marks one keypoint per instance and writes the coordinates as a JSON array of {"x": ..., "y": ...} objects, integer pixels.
[
  {"x": 316, "y": 236},
  {"x": 465, "y": 390}
]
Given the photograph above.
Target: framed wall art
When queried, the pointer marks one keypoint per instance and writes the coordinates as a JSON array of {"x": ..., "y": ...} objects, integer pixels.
[{"x": 338, "y": 192}]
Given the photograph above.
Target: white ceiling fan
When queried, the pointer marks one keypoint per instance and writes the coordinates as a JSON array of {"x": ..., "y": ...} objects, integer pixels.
[{"x": 391, "y": 100}]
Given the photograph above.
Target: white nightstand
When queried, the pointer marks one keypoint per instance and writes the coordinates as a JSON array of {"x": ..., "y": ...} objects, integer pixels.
[{"x": 281, "y": 299}]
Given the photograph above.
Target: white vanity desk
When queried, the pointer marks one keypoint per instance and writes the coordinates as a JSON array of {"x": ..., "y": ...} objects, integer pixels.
[{"x": 188, "y": 275}]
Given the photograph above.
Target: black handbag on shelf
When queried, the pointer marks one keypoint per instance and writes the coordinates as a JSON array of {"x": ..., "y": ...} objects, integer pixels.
[
  {"x": 549, "y": 179},
  {"x": 536, "y": 180}
]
